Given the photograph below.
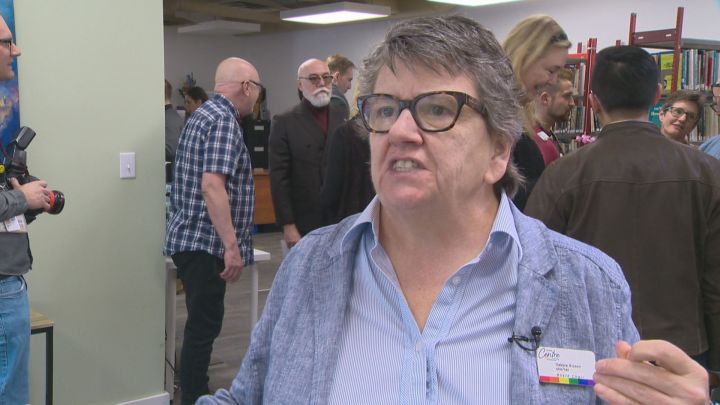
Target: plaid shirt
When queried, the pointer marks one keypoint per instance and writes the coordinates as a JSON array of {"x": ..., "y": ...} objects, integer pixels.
[{"x": 211, "y": 142}]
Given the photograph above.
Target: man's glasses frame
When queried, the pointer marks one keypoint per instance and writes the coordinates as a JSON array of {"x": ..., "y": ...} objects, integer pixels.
[
  {"x": 714, "y": 103},
  {"x": 461, "y": 98},
  {"x": 8, "y": 42},
  {"x": 315, "y": 80},
  {"x": 678, "y": 112},
  {"x": 260, "y": 86}
]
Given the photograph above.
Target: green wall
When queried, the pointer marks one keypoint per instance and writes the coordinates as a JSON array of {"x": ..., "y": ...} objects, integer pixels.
[{"x": 91, "y": 85}]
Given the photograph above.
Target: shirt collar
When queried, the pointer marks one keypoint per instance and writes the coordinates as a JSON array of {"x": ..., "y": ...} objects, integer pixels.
[
  {"x": 222, "y": 100},
  {"x": 504, "y": 224}
]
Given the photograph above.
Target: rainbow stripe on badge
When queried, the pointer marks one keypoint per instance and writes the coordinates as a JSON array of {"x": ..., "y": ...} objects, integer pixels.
[{"x": 566, "y": 381}]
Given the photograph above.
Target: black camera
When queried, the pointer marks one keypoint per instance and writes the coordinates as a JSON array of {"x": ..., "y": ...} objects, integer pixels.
[{"x": 15, "y": 166}]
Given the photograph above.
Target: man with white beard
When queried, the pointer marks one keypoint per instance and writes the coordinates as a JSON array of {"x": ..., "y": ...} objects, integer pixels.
[{"x": 297, "y": 144}]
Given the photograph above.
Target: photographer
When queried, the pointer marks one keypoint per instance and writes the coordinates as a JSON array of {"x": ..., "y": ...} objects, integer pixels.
[{"x": 15, "y": 200}]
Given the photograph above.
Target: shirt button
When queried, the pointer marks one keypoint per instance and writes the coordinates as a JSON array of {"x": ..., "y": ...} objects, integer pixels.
[
  {"x": 456, "y": 280},
  {"x": 418, "y": 346}
]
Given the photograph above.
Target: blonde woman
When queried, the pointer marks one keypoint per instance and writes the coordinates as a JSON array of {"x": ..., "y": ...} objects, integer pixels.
[{"x": 537, "y": 48}]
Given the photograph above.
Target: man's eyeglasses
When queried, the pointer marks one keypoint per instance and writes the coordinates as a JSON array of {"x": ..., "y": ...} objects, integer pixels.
[
  {"x": 433, "y": 112},
  {"x": 7, "y": 42},
  {"x": 715, "y": 104},
  {"x": 260, "y": 86},
  {"x": 315, "y": 79},
  {"x": 678, "y": 112}
]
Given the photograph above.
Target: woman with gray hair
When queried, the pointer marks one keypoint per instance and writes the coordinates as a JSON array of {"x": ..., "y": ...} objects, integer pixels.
[{"x": 440, "y": 291}]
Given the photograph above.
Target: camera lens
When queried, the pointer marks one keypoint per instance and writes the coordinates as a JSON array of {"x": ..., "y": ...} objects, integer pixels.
[{"x": 57, "y": 202}]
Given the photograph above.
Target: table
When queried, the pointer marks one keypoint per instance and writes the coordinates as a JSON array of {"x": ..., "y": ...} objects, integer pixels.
[
  {"x": 39, "y": 323},
  {"x": 260, "y": 256}
]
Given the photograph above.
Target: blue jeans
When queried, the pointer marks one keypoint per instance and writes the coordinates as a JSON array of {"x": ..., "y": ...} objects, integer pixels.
[{"x": 14, "y": 341}]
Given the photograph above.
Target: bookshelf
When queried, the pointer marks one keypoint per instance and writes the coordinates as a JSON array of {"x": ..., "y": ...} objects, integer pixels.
[
  {"x": 691, "y": 64},
  {"x": 670, "y": 38},
  {"x": 582, "y": 119}
]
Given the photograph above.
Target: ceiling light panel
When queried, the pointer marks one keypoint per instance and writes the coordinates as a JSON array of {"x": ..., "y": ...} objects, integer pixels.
[
  {"x": 334, "y": 13},
  {"x": 220, "y": 27},
  {"x": 474, "y": 3}
]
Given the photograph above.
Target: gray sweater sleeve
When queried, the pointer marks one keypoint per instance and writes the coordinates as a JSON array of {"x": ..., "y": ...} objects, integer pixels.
[{"x": 12, "y": 203}]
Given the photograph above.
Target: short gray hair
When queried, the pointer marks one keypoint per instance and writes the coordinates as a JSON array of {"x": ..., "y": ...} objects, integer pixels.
[
  {"x": 690, "y": 96},
  {"x": 457, "y": 45}
]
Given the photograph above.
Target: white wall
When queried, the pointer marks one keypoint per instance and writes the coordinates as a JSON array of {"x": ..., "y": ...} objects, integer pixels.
[
  {"x": 91, "y": 86},
  {"x": 277, "y": 56}
]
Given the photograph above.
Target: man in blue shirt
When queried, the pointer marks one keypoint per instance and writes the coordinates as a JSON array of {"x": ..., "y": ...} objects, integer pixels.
[
  {"x": 442, "y": 291},
  {"x": 209, "y": 231}
]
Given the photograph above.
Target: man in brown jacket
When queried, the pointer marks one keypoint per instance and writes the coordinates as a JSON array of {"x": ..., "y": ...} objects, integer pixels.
[{"x": 650, "y": 203}]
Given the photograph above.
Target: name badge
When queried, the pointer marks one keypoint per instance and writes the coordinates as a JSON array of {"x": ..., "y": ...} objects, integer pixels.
[
  {"x": 543, "y": 135},
  {"x": 14, "y": 224},
  {"x": 565, "y": 366}
]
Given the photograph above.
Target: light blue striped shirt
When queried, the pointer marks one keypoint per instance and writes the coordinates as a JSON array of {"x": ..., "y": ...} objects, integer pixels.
[{"x": 461, "y": 357}]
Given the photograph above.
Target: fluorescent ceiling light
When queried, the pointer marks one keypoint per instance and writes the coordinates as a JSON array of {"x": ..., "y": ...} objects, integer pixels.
[
  {"x": 473, "y": 3},
  {"x": 333, "y": 13},
  {"x": 219, "y": 27}
]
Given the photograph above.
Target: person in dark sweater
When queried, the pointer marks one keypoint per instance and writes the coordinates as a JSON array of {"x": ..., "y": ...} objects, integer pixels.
[
  {"x": 347, "y": 188},
  {"x": 537, "y": 48}
]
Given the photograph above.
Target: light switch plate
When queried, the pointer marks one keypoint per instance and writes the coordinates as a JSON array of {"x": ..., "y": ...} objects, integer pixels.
[{"x": 127, "y": 165}]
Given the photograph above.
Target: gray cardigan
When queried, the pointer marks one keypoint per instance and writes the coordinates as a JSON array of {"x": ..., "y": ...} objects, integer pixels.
[{"x": 574, "y": 292}]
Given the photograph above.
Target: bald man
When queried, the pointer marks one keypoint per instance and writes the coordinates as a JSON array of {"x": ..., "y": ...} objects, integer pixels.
[
  {"x": 211, "y": 214},
  {"x": 297, "y": 144}
]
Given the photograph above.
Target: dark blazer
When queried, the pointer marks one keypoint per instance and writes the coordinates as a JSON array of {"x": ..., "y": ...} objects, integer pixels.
[
  {"x": 297, "y": 164},
  {"x": 337, "y": 98},
  {"x": 347, "y": 188}
]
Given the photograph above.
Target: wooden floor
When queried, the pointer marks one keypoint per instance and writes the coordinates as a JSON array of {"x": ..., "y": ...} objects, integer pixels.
[{"x": 230, "y": 346}]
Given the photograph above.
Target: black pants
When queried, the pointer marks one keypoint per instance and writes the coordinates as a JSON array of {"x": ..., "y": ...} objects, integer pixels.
[{"x": 204, "y": 299}]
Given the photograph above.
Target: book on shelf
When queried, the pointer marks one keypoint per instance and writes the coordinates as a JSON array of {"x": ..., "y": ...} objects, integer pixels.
[
  {"x": 708, "y": 125},
  {"x": 698, "y": 68},
  {"x": 578, "y": 81},
  {"x": 665, "y": 62},
  {"x": 654, "y": 115},
  {"x": 573, "y": 126}
]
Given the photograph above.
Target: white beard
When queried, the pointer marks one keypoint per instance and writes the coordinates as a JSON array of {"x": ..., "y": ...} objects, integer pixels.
[{"x": 321, "y": 98}]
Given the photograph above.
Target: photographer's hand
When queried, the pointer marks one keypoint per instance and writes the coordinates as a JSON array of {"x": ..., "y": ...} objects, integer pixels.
[{"x": 36, "y": 193}]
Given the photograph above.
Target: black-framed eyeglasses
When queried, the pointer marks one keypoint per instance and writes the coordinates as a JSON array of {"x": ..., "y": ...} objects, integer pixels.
[
  {"x": 7, "y": 42},
  {"x": 259, "y": 85},
  {"x": 436, "y": 111},
  {"x": 715, "y": 103},
  {"x": 315, "y": 79},
  {"x": 678, "y": 112}
]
